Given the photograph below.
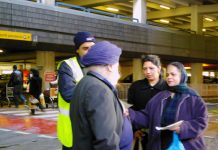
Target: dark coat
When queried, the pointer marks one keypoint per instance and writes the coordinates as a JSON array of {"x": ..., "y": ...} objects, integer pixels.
[
  {"x": 191, "y": 109},
  {"x": 35, "y": 84},
  {"x": 140, "y": 92},
  {"x": 96, "y": 116}
]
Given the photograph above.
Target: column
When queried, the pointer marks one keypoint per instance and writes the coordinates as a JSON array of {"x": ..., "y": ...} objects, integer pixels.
[
  {"x": 45, "y": 62},
  {"x": 47, "y": 2},
  {"x": 196, "y": 76},
  {"x": 139, "y": 10},
  {"x": 216, "y": 74},
  {"x": 137, "y": 69},
  {"x": 196, "y": 20}
]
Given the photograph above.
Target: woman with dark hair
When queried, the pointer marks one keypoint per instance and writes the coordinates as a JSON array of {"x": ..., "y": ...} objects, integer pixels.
[
  {"x": 141, "y": 91},
  {"x": 35, "y": 87},
  {"x": 177, "y": 103}
]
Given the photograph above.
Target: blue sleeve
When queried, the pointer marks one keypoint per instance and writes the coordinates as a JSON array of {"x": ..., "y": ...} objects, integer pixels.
[{"x": 66, "y": 82}]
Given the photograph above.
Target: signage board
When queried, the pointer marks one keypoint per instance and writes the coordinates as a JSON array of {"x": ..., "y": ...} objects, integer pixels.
[
  {"x": 15, "y": 35},
  {"x": 50, "y": 76}
]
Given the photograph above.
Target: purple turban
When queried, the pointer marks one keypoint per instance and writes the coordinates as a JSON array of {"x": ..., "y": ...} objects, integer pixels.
[{"x": 102, "y": 53}]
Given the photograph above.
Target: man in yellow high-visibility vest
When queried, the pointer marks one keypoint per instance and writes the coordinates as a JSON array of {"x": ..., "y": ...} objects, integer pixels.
[{"x": 69, "y": 74}]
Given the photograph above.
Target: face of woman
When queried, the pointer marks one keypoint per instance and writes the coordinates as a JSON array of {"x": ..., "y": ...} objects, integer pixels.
[
  {"x": 151, "y": 71},
  {"x": 173, "y": 76}
]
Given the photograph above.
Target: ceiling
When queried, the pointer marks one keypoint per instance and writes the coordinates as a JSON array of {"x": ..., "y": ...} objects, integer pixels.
[{"x": 179, "y": 14}]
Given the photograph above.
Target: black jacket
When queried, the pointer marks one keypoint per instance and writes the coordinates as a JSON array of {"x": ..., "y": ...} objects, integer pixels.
[
  {"x": 140, "y": 92},
  {"x": 35, "y": 86}
]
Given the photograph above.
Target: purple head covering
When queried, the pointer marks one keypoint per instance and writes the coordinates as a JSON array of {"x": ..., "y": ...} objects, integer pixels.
[{"x": 102, "y": 53}]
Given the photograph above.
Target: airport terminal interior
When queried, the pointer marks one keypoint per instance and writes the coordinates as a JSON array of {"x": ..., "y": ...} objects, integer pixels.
[
  {"x": 39, "y": 34},
  {"x": 167, "y": 14}
]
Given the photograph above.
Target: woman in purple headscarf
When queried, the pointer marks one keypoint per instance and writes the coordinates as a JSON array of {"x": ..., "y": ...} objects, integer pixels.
[{"x": 177, "y": 103}]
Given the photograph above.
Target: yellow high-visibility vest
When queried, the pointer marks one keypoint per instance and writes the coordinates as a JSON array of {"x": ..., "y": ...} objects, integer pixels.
[{"x": 64, "y": 127}]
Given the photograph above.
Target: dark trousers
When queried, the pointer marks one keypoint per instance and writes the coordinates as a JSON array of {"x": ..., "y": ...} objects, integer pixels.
[{"x": 17, "y": 96}]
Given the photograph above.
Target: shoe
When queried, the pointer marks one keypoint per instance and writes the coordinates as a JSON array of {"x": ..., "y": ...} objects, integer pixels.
[
  {"x": 32, "y": 112},
  {"x": 26, "y": 106}
]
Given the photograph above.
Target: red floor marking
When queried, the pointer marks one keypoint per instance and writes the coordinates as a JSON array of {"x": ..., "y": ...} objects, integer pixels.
[{"x": 32, "y": 125}]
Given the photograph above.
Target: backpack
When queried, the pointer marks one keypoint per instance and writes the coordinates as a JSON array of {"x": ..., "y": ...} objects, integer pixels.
[{"x": 17, "y": 77}]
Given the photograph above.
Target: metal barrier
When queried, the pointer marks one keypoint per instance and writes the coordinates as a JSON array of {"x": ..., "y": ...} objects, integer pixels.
[
  {"x": 208, "y": 91},
  {"x": 95, "y": 11},
  {"x": 128, "y": 18},
  {"x": 70, "y": 6},
  {"x": 53, "y": 96},
  {"x": 123, "y": 90}
]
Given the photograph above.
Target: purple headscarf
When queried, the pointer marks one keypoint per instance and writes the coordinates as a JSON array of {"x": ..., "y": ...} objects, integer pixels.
[{"x": 102, "y": 53}]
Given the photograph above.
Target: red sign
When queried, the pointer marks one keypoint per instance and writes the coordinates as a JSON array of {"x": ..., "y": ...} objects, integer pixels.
[{"x": 50, "y": 76}]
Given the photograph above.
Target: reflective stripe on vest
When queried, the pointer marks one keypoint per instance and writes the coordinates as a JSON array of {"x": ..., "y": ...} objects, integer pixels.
[
  {"x": 64, "y": 112},
  {"x": 75, "y": 67},
  {"x": 64, "y": 127}
]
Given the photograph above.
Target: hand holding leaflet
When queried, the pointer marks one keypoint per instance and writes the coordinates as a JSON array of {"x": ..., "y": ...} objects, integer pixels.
[{"x": 176, "y": 124}]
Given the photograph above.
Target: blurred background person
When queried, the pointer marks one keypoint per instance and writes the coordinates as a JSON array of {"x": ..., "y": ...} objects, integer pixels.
[
  {"x": 16, "y": 81},
  {"x": 177, "y": 103},
  {"x": 35, "y": 88},
  {"x": 141, "y": 91}
]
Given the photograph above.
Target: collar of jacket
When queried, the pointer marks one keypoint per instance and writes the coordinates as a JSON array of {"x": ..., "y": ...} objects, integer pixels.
[
  {"x": 103, "y": 79},
  {"x": 79, "y": 62},
  {"x": 159, "y": 85},
  {"x": 165, "y": 95}
]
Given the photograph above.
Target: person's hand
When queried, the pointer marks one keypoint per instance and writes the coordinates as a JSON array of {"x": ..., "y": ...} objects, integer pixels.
[
  {"x": 177, "y": 129},
  {"x": 138, "y": 134},
  {"x": 126, "y": 112}
]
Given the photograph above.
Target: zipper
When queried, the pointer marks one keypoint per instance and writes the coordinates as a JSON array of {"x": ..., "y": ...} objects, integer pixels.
[
  {"x": 178, "y": 108},
  {"x": 161, "y": 109}
]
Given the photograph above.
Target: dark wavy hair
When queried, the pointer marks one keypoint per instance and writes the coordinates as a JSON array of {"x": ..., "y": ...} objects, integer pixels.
[
  {"x": 154, "y": 59},
  {"x": 35, "y": 72}
]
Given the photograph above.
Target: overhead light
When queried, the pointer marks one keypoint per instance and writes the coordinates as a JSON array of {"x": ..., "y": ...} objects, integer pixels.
[
  {"x": 187, "y": 68},
  {"x": 1, "y": 50},
  {"x": 206, "y": 65},
  {"x": 112, "y": 9},
  {"x": 164, "y": 21},
  {"x": 208, "y": 19},
  {"x": 204, "y": 30},
  {"x": 165, "y": 7}
]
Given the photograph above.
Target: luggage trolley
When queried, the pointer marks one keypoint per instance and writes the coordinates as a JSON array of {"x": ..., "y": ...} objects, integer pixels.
[
  {"x": 53, "y": 96},
  {"x": 9, "y": 94}
]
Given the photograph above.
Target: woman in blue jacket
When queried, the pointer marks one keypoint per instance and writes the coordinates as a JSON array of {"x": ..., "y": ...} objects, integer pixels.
[{"x": 177, "y": 103}]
